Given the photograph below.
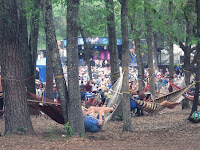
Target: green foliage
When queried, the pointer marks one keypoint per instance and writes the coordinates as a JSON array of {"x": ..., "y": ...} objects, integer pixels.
[
  {"x": 59, "y": 13},
  {"x": 118, "y": 117},
  {"x": 21, "y": 130},
  {"x": 52, "y": 135},
  {"x": 82, "y": 135},
  {"x": 58, "y": 2},
  {"x": 92, "y": 18},
  {"x": 42, "y": 35},
  {"x": 136, "y": 10},
  {"x": 68, "y": 129}
]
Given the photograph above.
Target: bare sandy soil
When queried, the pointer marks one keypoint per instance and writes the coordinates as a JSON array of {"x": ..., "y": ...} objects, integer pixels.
[{"x": 169, "y": 130}]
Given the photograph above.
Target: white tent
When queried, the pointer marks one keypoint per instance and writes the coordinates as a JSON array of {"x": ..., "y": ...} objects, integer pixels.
[{"x": 165, "y": 55}]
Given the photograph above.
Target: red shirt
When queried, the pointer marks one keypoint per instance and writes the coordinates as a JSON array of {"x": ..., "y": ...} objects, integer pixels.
[{"x": 88, "y": 88}]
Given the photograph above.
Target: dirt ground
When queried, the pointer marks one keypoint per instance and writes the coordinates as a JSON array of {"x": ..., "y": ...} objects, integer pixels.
[{"x": 168, "y": 130}]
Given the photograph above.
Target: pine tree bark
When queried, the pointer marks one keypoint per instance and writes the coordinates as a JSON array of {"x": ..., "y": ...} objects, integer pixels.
[
  {"x": 87, "y": 52},
  {"x": 140, "y": 65},
  {"x": 187, "y": 51},
  {"x": 114, "y": 57},
  {"x": 196, "y": 95},
  {"x": 75, "y": 113},
  {"x": 189, "y": 14},
  {"x": 127, "y": 122},
  {"x": 56, "y": 63},
  {"x": 49, "y": 75},
  {"x": 24, "y": 48},
  {"x": 170, "y": 44},
  {"x": 197, "y": 78},
  {"x": 155, "y": 47},
  {"x": 148, "y": 21},
  {"x": 17, "y": 117},
  {"x": 25, "y": 51},
  {"x": 33, "y": 41}
]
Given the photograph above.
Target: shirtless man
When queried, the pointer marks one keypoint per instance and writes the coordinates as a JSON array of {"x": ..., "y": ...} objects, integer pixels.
[{"x": 94, "y": 117}]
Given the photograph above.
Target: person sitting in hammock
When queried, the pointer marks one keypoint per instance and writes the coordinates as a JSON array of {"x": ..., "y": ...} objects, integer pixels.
[
  {"x": 168, "y": 104},
  {"x": 94, "y": 117}
]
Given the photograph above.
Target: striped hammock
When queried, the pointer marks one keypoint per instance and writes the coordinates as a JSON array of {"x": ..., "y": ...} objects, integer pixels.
[
  {"x": 189, "y": 96},
  {"x": 151, "y": 107}
]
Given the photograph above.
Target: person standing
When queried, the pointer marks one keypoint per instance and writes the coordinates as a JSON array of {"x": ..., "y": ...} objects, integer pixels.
[
  {"x": 82, "y": 91},
  {"x": 82, "y": 86},
  {"x": 88, "y": 87}
]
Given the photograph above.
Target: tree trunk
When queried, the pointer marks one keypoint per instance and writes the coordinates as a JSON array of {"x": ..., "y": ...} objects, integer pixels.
[
  {"x": 170, "y": 43},
  {"x": 33, "y": 40},
  {"x": 187, "y": 66},
  {"x": 49, "y": 74},
  {"x": 75, "y": 113},
  {"x": 189, "y": 14},
  {"x": 17, "y": 117},
  {"x": 185, "y": 102},
  {"x": 171, "y": 59},
  {"x": 24, "y": 48},
  {"x": 87, "y": 53},
  {"x": 197, "y": 78},
  {"x": 148, "y": 21},
  {"x": 25, "y": 51},
  {"x": 114, "y": 57},
  {"x": 140, "y": 65},
  {"x": 127, "y": 122},
  {"x": 196, "y": 95},
  {"x": 155, "y": 47},
  {"x": 56, "y": 63}
]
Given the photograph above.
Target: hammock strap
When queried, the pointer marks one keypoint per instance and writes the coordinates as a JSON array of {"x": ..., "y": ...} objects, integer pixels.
[{"x": 172, "y": 84}]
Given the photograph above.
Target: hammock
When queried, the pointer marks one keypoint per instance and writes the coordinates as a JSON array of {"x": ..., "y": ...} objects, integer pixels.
[
  {"x": 116, "y": 96},
  {"x": 54, "y": 111},
  {"x": 168, "y": 97},
  {"x": 188, "y": 95},
  {"x": 47, "y": 106},
  {"x": 151, "y": 107}
]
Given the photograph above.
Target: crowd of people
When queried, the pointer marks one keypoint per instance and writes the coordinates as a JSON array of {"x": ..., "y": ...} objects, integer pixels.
[
  {"x": 95, "y": 92},
  {"x": 100, "y": 82}
]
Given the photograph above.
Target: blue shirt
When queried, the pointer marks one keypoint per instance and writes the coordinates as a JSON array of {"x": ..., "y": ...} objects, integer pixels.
[
  {"x": 109, "y": 86},
  {"x": 88, "y": 95},
  {"x": 133, "y": 105},
  {"x": 91, "y": 124}
]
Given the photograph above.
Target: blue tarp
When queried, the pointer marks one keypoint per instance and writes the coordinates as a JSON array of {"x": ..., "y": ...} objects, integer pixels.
[{"x": 41, "y": 64}]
